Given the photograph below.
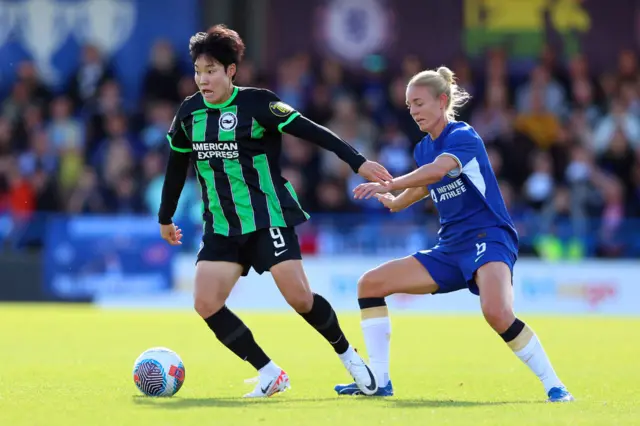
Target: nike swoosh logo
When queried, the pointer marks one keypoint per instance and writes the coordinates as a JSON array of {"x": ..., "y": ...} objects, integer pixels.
[
  {"x": 478, "y": 258},
  {"x": 266, "y": 388},
  {"x": 198, "y": 121},
  {"x": 372, "y": 384},
  {"x": 278, "y": 253}
]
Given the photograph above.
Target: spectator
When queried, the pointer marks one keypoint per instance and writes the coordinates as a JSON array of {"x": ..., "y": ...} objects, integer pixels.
[
  {"x": 537, "y": 122},
  {"x": 92, "y": 72},
  {"x": 163, "y": 75},
  {"x": 618, "y": 118}
]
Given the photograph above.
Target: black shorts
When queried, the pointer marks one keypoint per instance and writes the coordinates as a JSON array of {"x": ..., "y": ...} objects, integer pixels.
[{"x": 259, "y": 250}]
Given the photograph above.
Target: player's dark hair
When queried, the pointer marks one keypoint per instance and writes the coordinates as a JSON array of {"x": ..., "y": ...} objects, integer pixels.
[{"x": 220, "y": 43}]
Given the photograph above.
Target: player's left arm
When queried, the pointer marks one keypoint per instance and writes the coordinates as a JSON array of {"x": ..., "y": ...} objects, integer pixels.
[
  {"x": 288, "y": 120},
  {"x": 459, "y": 151},
  {"x": 420, "y": 177},
  {"x": 425, "y": 175},
  {"x": 461, "y": 148}
]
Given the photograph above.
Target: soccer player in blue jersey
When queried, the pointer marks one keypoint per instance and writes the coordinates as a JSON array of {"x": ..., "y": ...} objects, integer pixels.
[{"x": 477, "y": 246}]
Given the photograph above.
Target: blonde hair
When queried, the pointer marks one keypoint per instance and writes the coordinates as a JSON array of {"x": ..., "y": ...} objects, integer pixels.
[{"x": 442, "y": 81}]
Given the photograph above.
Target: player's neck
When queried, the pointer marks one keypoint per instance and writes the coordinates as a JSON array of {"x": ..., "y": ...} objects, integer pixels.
[
  {"x": 438, "y": 128},
  {"x": 227, "y": 94}
]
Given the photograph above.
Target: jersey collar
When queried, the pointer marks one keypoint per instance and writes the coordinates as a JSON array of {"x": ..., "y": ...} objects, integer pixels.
[
  {"x": 225, "y": 103},
  {"x": 445, "y": 131}
]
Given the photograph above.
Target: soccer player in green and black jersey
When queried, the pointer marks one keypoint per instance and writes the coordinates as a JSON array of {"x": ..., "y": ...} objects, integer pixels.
[{"x": 232, "y": 135}]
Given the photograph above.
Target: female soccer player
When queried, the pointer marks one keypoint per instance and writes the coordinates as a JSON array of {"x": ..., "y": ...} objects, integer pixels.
[
  {"x": 478, "y": 244},
  {"x": 233, "y": 136}
]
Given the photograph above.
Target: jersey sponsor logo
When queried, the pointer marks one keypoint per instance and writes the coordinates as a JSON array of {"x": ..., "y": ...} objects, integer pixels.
[
  {"x": 228, "y": 121},
  {"x": 209, "y": 150},
  {"x": 280, "y": 109},
  {"x": 448, "y": 191}
]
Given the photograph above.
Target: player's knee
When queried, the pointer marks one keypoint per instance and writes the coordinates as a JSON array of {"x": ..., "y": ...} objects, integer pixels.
[
  {"x": 301, "y": 302},
  {"x": 499, "y": 315},
  {"x": 371, "y": 284},
  {"x": 207, "y": 303},
  {"x": 205, "y": 308}
]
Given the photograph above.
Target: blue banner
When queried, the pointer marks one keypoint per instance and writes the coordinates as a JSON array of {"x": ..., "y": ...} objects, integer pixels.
[
  {"x": 86, "y": 257},
  {"x": 51, "y": 33}
]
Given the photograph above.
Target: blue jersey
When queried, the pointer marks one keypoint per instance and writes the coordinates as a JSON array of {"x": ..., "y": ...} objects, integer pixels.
[{"x": 468, "y": 199}]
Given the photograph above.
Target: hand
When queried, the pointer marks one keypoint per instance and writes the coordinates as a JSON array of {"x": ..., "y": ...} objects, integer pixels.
[
  {"x": 374, "y": 172},
  {"x": 171, "y": 234},
  {"x": 366, "y": 190},
  {"x": 389, "y": 201}
]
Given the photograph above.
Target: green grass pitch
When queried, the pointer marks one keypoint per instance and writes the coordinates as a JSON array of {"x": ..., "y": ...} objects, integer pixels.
[{"x": 71, "y": 365}]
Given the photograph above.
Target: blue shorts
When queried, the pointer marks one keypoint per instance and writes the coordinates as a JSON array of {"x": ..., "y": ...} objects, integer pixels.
[{"x": 453, "y": 268}]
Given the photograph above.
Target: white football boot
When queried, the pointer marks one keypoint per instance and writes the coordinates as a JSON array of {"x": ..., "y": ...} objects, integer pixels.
[
  {"x": 360, "y": 371},
  {"x": 269, "y": 384}
]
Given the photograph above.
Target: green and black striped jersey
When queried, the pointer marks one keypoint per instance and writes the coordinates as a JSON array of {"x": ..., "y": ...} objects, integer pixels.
[{"x": 235, "y": 148}]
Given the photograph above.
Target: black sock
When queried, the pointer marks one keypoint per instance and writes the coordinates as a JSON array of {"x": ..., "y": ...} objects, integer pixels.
[
  {"x": 235, "y": 335},
  {"x": 371, "y": 302},
  {"x": 323, "y": 318},
  {"x": 513, "y": 331}
]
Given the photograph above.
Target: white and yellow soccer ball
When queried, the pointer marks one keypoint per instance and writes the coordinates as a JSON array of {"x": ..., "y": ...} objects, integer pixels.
[{"x": 158, "y": 372}]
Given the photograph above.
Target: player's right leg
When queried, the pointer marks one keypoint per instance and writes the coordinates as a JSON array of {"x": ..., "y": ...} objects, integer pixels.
[
  {"x": 214, "y": 281},
  {"x": 407, "y": 275}
]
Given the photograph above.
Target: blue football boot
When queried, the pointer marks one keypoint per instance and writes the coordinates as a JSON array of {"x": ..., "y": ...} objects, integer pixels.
[
  {"x": 352, "y": 389},
  {"x": 559, "y": 395}
]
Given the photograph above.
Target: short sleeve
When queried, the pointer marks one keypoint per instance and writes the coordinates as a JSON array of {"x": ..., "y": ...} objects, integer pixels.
[
  {"x": 418, "y": 155},
  {"x": 423, "y": 153},
  {"x": 177, "y": 137},
  {"x": 463, "y": 147},
  {"x": 273, "y": 114}
]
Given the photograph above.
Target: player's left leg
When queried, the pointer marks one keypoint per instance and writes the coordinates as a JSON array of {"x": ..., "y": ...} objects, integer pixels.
[
  {"x": 279, "y": 252},
  {"x": 317, "y": 311},
  {"x": 496, "y": 298}
]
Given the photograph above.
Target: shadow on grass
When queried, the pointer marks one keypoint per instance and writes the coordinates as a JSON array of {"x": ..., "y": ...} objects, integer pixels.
[
  {"x": 179, "y": 403},
  {"x": 183, "y": 403},
  {"x": 450, "y": 403}
]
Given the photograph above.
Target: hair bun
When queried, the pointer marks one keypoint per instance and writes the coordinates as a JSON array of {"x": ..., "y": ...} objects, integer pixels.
[{"x": 446, "y": 73}]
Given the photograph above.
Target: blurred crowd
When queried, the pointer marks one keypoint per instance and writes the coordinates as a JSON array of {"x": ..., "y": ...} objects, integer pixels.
[{"x": 563, "y": 141}]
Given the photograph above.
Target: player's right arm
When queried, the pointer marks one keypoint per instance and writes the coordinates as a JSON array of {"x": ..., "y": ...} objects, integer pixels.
[
  {"x": 174, "y": 180},
  {"x": 407, "y": 198}
]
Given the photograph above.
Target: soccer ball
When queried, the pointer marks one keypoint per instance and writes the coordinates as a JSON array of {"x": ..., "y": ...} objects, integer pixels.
[{"x": 158, "y": 372}]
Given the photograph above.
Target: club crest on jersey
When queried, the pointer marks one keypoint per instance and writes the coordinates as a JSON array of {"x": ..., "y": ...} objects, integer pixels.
[
  {"x": 280, "y": 109},
  {"x": 228, "y": 121}
]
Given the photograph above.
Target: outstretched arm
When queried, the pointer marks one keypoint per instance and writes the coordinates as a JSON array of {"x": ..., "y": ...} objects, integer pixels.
[
  {"x": 426, "y": 175},
  {"x": 404, "y": 200},
  {"x": 276, "y": 115},
  {"x": 421, "y": 177},
  {"x": 304, "y": 128}
]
